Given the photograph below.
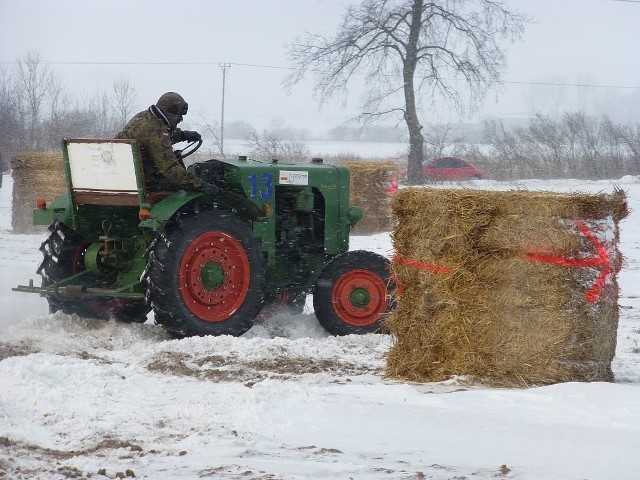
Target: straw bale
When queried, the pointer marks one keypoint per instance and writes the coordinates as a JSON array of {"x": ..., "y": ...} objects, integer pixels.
[
  {"x": 368, "y": 183},
  {"x": 472, "y": 300},
  {"x": 519, "y": 234},
  {"x": 439, "y": 235},
  {"x": 35, "y": 174}
]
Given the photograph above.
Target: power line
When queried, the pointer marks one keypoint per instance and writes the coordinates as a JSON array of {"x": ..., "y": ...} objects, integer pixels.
[
  {"x": 55, "y": 62},
  {"x": 584, "y": 85},
  {"x": 278, "y": 67}
]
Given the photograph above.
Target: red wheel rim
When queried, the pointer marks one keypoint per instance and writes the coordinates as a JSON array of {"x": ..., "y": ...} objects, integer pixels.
[
  {"x": 214, "y": 276},
  {"x": 78, "y": 259},
  {"x": 360, "y": 297}
]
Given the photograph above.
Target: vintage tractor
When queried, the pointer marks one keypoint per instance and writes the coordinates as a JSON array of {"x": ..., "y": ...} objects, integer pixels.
[{"x": 206, "y": 265}]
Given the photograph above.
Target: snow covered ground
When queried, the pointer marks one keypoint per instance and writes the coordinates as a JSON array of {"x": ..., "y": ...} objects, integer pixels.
[
  {"x": 81, "y": 398},
  {"x": 319, "y": 148}
]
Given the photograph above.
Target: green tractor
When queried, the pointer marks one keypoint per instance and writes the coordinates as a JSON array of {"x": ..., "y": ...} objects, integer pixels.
[{"x": 206, "y": 265}]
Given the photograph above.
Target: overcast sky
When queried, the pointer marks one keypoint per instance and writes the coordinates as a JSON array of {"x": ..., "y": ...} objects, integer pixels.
[{"x": 160, "y": 46}]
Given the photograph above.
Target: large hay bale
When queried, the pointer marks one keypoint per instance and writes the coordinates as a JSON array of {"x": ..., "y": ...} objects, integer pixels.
[
  {"x": 35, "y": 175},
  {"x": 369, "y": 180},
  {"x": 505, "y": 287}
]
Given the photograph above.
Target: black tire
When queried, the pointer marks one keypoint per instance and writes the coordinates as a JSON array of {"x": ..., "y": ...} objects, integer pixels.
[
  {"x": 353, "y": 293},
  {"x": 219, "y": 297},
  {"x": 63, "y": 256}
]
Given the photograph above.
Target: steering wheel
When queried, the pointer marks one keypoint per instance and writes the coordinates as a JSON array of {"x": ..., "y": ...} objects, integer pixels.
[{"x": 188, "y": 150}]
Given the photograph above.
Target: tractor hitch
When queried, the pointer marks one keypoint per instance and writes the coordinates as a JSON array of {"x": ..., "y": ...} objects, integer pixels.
[{"x": 76, "y": 291}]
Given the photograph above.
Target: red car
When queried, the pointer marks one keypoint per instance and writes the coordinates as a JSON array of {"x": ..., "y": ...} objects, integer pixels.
[{"x": 450, "y": 169}]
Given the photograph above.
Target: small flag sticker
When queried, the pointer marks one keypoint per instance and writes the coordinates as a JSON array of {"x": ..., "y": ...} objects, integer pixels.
[{"x": 287, "y": 177}]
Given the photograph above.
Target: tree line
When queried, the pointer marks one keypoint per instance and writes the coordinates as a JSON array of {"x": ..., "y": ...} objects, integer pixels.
[
  {"x": 575, "y": 145},
  {"x": 37, "y": 111}
]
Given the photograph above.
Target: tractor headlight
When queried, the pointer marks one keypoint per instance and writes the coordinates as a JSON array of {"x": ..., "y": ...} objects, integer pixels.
[{"x": 355, "y": 214}]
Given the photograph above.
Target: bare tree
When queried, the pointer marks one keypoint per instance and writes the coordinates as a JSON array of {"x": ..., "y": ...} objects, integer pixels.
[
  {"x": 123, "y": 100},
  {"x": 574, "y": 146},
  {"x": 630, "y": 136},
  {"x": 212, "y": 130},
  {"x": 106, "y": 125},
  {"x": 437, "y": 138},
  {"x": 11, "y": 125},
  {"x": 35, "y": 83},
  {"x": 413, "y": 48},
  {"x": 409, "y": 47},
  {"x": 507, "y": 152},
  {"x": 269, "y": 145},
  {"x": 54, "y": 127}
]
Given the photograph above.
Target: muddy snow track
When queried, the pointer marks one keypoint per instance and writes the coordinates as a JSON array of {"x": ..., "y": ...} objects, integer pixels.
[
  {"x": 59, "y": 345},
  {"x": 258, "y": 355}
]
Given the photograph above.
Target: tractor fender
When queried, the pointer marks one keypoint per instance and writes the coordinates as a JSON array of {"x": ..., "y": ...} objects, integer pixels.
[
  {"x": 59, "y": 210},
  {"x": 168, "y": 206}
]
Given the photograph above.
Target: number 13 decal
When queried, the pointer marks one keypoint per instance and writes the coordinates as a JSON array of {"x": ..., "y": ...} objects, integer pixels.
[{"x": 266, "y": 182}]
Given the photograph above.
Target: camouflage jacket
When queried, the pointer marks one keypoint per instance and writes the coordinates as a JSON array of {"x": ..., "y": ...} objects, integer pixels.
[{"x": 162, "y": 171}]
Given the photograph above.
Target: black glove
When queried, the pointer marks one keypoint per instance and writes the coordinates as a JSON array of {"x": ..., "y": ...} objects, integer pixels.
[
  {"x": 209, "y": 189},
  {"x": 190, "y": 136}
]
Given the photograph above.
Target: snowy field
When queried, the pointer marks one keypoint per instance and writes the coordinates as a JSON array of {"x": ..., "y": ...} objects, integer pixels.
[
  {"x": 81, "y": 398},
  {"x": 319, "y": 148}
]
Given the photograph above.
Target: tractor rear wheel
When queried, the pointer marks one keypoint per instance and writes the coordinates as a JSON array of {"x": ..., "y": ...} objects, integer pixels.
[
  {"x": 206, "y": 274},
  {"x": 63, "y": 253},
  {"x": 353, "y": 293}
]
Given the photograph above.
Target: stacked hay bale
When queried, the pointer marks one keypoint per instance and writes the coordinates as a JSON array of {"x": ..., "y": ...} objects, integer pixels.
[
  {"x": 509, "y": 288},
  {"x": 35, "y": 175},
  {"x": 369, "y": 180}
]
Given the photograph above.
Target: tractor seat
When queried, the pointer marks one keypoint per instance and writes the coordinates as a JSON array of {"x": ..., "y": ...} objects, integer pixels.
[{"x": 107, "y": 172}]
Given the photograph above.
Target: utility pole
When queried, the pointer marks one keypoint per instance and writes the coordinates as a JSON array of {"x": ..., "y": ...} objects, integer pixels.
[{"x": 224, "y": 67}]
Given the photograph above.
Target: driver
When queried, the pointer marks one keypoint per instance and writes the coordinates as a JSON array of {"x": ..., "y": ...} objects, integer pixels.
[{"x": 156, "y": 130}]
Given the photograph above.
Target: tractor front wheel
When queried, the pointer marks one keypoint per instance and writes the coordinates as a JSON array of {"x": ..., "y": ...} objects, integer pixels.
[
  {"x": 206, "y": 274},
  {"x": 353, "y": 293}
]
